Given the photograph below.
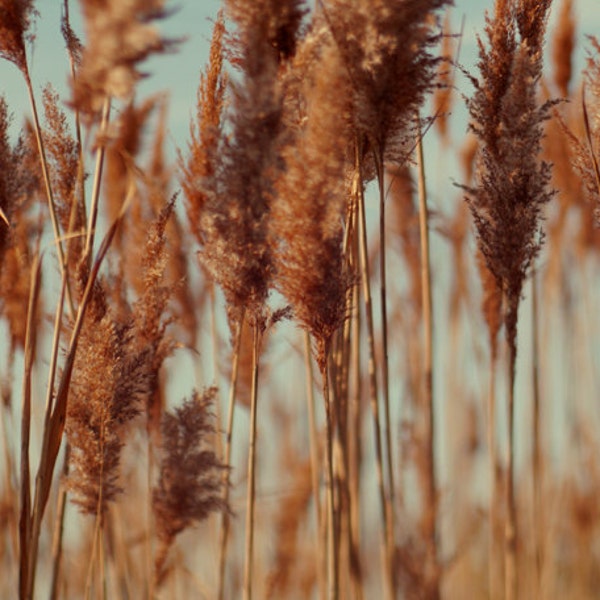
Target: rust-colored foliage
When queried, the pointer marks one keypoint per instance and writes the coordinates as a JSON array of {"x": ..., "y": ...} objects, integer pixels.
[{"x": 189, "y": 487}]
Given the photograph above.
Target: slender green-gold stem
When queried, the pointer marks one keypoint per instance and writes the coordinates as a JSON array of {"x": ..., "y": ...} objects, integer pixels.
[
  {"x": 379, "y": 161},
  {"x": 25, "y": 522},
  {"x": 251, "y": 497},
  {"x": 374, "y": 400},
  {"x": 314, "y": 464},
  {"x": 430, "y": 487},
  {"x": 59, "y": 526},
  {"x": 332, "y": 530},
  {"x": 95, "y": 198},
  {"x": 537, "y": 443},
  {"x": 55, "y": 415},
  {"x": 510, "y": 529},
  {"x": 224, "y": 532},
  {"x": 493, "y": 468},
  {"x": 355, "y": 452},
  {"x": 48, "y": 188}
]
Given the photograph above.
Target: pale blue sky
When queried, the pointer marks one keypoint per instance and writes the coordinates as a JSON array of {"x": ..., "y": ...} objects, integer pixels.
[{"x": 178, "y": 73}]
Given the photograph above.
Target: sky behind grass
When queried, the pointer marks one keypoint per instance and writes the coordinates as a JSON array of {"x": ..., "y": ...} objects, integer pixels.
[{"x": 178, "y": 73}]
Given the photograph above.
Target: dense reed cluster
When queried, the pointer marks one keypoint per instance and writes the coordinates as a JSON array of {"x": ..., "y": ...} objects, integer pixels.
[{"x": 363, "y": 429}]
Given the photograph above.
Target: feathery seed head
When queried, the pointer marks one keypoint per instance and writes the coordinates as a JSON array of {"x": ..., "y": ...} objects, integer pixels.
[
  {"x": 120, "y": 35},
  {"x": 15, "y": 21}
]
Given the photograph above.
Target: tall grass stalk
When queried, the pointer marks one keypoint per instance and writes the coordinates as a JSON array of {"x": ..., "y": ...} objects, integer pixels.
[
  {"x": 386, "y": 551},
  {"x": 251, "y": 496},
  {"x": 314, "y": 467},
  {"x": 510, "y": 526},
  {"x": 48, "y": 188},
  {"x": 98, "y": 171},
  {"x": 59, "y": 530},
  {"x": 536, "y": 437},
  {"x": 52, "y": 374},
  {"x": 354, "y": 408},
  {"x": 303, "y": 115},
  {"x": 511, "y": 187},
  {"x": 430, "y": 515},
  {"x": 226, "y": 518},
  {"x": 55, "y": 414},
  {"x": 25, "y": 520},
  {"x": 333, "y": 558},
  {"x": 493, "y": 477},
  {"x": 391, "y": 504}
]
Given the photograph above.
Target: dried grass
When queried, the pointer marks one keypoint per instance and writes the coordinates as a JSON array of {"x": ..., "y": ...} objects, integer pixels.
[{"x": 300, "y": 201}]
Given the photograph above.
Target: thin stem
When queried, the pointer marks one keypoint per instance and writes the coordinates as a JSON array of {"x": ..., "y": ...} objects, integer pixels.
[
  {"x": 366, "y": 286},
  {"x": 332, "y": 535},
  {"x": 355, "y": 452},
  {"x": 96, "y": 550},
  {"x": 537, "y": 446},
  {"x": 510, "y": 530},
  {"x": 314, "y": 464},
  {"x": 98, "y": 543},
  {"x": 224, "y": 533},
  {"x": 57, "y": 542},
  {"x": 49, "y": 194},
  {"x": 150, "y": 547},
  {"x": 36, "y": 521},
  {"x": 352, "y": 425},
  {"x": 251, "y": 497},
  {"x": 100, "y": 154},
  {"x": 54, "y": 420},
  {"x": 25, "y": 523},
  {"x": 493, "y": 467},
  {"x": 379, "y": 161},
  {"x": 79, "y": 199},
  {"x": 430, "y": 516}
]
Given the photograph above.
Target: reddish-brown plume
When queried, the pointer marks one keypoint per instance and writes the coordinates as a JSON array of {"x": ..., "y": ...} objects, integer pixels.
[
  {"x": 386, "y": 52},
  {"x": 116, "y": 376},
  {"x": 510, "y": 181},
  {"x": 309, "y": 213},
  {"x": 15, "y": 20},
  {"x": 563, "y": 46},
  {"x": 443, "y": 94},
  {"x": 190, "y": 483},
  {"x": 585, "y": 151},
  {"x": 205, "y": 132},
  {"x": 119, "y": 36},
  {"x": 20, "y": 237},
  {"x": 63, "y": 154},
  {"x": 234, "y": 221},
  {"x": 108, "y": 385}
]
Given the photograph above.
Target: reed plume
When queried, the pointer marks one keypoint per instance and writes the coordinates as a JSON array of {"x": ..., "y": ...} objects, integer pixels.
[
  {"x": 116, "y": 376},
  {"x": 306, "y": 113},
  {"x": 66, "y": 173},
  {"x": 106, "y": 393},
  {"x": 511, "y": 182},
  {"x": 20, "y": 232},
  {"x": 204, "y": 132},
  {"x": 585, "y": 154},
  {"x": 190, "y": 484},
  {"x": 386, "y": 49},
  {"x": 308, "y": 227},
  {"x": 236, "y": 188},
  {"x": 308, "y": 216},
  {"x": 16, "y": 17},
  {"x": 562, "y": 47},
  {"x": 119, "y": 36}
]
